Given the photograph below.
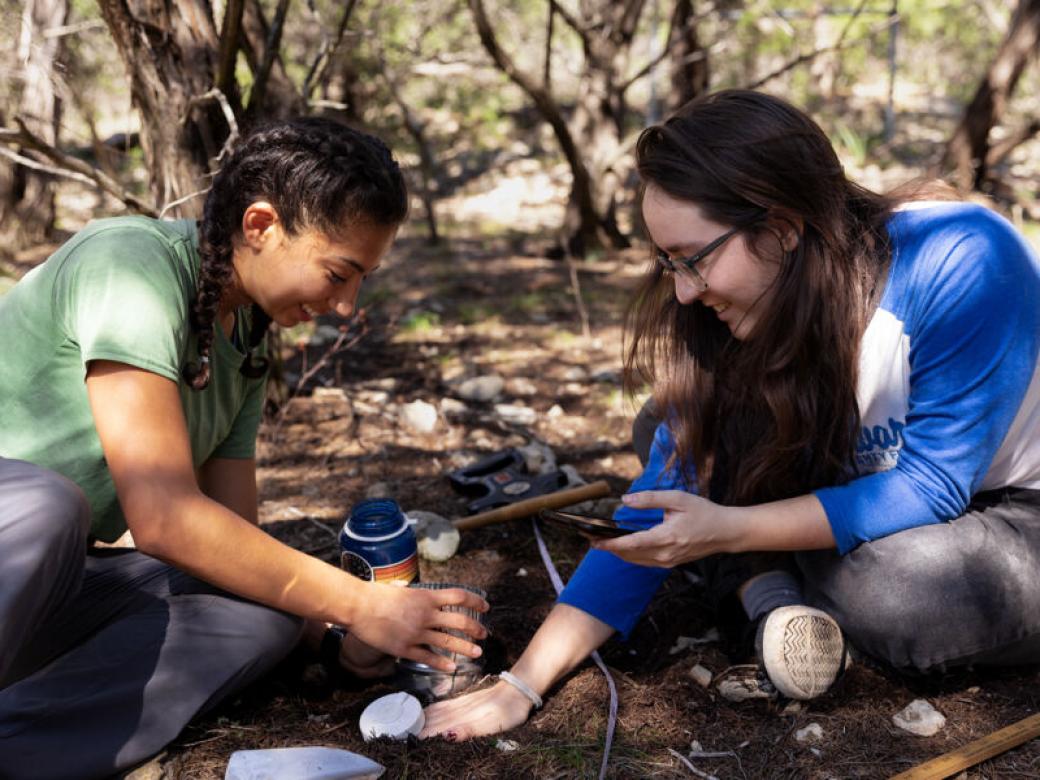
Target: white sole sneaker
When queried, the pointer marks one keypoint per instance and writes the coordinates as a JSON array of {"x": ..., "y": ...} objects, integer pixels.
[{"x": 802, "y": 651}]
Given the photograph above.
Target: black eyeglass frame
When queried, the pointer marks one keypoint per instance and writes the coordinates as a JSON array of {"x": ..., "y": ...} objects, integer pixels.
[{"x": 689, "y": 263}]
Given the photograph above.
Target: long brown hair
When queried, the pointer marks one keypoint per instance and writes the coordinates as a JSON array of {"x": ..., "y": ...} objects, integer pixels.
[{"x": 774, "y": 415}]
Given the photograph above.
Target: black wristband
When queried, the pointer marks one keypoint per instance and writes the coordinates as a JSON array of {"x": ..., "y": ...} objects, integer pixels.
[{"x": 328, "y": 651}]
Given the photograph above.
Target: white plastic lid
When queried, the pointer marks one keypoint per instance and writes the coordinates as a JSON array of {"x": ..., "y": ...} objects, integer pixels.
[{"x": 396, "y": 716}]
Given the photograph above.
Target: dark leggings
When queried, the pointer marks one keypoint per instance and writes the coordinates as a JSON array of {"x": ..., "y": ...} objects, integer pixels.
[
  {"x": 105, "y": 655},
  {"x": 938, "y": 596}
]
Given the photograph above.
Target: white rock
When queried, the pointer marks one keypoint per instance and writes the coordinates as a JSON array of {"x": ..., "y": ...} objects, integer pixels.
[
  {"x": 575, "y": 374},
  {"x": 811, "y": 733},
  {"x": 539, "y": 458},
  {"x": 701, "y": 675},
  {"x": 376, "y": 397},
  {"x": 481, "y": 388},
  {"x": 507, "y": 745},
  {"x": 419, "y": 416},
  {"x": 554, "y": 412},
  {"x": 378, "y": 490},
  {"x": 920, "y": 718},
  {"x": 329, "y": 394},
  {"x": 516, "y": 414},
  {"x": 452, "y": 407},
  {"x": 816, "y": 751},
  {"x": 436, "y": 536},
  {"x": 695, "y": 747},
  {"x": 521, "y": 572}
]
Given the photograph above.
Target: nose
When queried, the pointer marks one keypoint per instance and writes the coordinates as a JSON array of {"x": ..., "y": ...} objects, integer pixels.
[
  {"x": 345, "y": 301},
  {"x": 686, "y": 292}
]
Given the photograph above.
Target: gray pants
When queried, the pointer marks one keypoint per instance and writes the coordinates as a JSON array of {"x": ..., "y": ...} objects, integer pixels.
[
  {"x": 961, "y": 593},
  {"x": 105, "y": 655}
]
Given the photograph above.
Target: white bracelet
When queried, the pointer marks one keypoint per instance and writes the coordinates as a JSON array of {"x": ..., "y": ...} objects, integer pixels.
[{"x": 523, "y": 687}]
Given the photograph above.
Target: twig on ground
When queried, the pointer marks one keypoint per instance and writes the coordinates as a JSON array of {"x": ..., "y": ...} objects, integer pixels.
[
  {"x": 583, "y": 315},
  {"x": 690, "y": 766}
]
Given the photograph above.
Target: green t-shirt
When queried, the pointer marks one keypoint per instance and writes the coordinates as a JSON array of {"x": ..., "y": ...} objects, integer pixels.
[{"x": 120, "y": 290}]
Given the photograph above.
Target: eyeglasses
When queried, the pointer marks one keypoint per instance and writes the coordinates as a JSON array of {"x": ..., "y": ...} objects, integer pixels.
[{"x": 686, "y": 267}]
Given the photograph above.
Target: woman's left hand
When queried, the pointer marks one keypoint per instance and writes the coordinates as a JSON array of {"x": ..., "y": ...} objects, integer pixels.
[{"x": 693, "y": 528}]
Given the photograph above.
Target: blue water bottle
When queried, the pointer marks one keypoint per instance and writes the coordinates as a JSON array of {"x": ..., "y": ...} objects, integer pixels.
[{"x": 377, "y": 543}]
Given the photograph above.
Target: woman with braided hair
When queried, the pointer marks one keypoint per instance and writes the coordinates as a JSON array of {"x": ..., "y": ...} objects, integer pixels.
[{"x": 131, "y": 395}]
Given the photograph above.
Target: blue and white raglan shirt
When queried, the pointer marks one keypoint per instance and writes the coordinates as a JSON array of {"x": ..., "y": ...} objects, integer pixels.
[{"x": 949, "y": 398}]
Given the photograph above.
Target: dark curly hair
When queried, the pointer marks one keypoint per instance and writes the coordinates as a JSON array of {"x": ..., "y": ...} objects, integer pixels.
[{"x": 318, "y": 174}]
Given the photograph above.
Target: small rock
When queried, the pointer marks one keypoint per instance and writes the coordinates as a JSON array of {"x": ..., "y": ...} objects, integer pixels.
[
  {"x": 507, "y": 745},
  {"x": 376, "y": 397},
  {"x": 920, "y": 718},
  {"x": 516, "y": 414},
  {"x": 816, "y": 751},
  {"x": 695, "y": 747},
  {"x": 575, "y": 374},
  {"x": 538, "y": 457},
  {"x": 701, "y": 675},
  {"x": 573, "y": 388},
  {"x": 481, "y": 388},
  {"x": 811, "y": 733},
  {"x": 329, "y": 394},
  {"x": 973, "y": 690},
  {"x": 742, "y": 690},
  {"x": 452, "y": 407},
  {"x": 554, "y": 412},
  {"x": 324, "y": 334},
  {"x": 436, "y": 536},
  {"x": 378, "y": 490},
  {"x": 521, "y": 386},
  {"x": 419, "y": 416},
  {"x": 793, "y": 708},
  {"x": 573, "y": 477},
  {"x": 521, "y": 572},
  {"x": 686, "y": 642}
]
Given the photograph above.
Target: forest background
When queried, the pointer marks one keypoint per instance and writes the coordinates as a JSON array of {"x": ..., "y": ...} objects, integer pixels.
[{"x": 515, "y": 123}]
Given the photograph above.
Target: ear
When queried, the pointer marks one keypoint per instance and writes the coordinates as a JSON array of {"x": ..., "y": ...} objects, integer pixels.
[
  {"x": 789, "y": 228},
  {"x": 260, "y": 224}
]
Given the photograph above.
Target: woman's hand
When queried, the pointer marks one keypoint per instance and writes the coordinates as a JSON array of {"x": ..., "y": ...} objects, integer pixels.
[
  {"x": 489, "y": 711},
  {"x": 693, "y": 528},
  {"x": 403, "y": 621}
]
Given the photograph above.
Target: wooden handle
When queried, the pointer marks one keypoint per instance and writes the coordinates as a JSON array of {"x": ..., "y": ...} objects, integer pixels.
[
  {"x": 531, "y": 505},
  {"x": 974, "y": 752}
]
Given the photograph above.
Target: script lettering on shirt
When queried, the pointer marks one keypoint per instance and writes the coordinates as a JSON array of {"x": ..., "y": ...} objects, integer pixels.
[{"x": 878, "y": 446}]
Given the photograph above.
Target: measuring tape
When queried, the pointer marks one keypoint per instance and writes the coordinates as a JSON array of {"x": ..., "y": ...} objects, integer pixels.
[{"x": 975, "y": 752}]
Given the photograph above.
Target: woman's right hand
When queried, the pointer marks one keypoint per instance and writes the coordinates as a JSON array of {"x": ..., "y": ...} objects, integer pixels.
[
  {"x": 406, "y": 622},
  {"x": 499, "y": 708}
]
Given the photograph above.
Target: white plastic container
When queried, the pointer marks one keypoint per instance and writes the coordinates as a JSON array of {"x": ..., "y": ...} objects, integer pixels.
[
  {"x": 396, "y": 716},
  {"x": 301, "y": 763}
]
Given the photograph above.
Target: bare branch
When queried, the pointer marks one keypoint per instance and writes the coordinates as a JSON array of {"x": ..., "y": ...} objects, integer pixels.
[
  {"x": 673, "y": 33},
  {"x": 837, "y": 46},
  {"x": 229, "y": 36},
  {"x": 571, "y": 20},
  {"x": 66, "y": 166},
  {"x": 229, "y": 116},
  {"x": 274, "y": 37},
  {"x": 328, "y": 50},
  {"x": 546, "y": 75}
]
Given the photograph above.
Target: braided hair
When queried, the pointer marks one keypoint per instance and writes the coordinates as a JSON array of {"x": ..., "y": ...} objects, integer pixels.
[{"x": 318, "y": 174}]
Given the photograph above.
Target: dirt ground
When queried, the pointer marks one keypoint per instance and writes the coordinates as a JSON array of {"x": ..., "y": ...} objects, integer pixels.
[{"x": 436, "y": 316}]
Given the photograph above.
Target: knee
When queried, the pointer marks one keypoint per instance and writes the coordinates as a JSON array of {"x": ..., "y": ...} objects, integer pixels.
[{"x": 55, "y": 510}]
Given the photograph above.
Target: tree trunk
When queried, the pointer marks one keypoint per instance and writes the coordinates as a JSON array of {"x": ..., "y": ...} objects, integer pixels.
[
  {"x": 27, "y": 208},
  {"x": 170, "y": 51},
  {"x": 968, "y": 148},
  {"x": 591, "y": 139},
  {"x": 688, "y": 59}
]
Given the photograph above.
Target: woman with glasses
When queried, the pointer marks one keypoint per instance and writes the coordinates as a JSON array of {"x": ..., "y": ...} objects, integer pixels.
[{"x": 844, "y": 437}]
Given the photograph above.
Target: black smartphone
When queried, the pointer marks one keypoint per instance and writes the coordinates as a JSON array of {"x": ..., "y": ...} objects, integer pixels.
[{"x": 593, "y": 526}]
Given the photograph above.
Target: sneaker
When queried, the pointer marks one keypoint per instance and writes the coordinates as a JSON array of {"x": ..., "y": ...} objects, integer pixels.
[{"x": 802, "y": 651}]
